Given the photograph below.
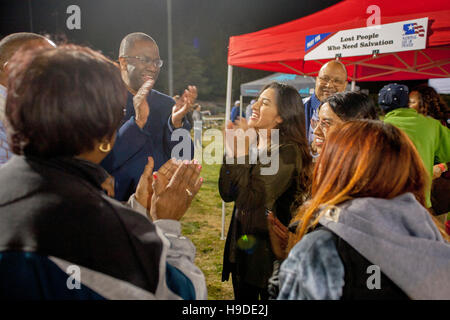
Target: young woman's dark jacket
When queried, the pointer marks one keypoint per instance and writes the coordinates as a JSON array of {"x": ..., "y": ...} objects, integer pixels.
[{"x": 248, "y": 250}]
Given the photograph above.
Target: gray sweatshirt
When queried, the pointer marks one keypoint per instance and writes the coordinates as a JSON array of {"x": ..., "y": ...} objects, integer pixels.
[{"x": 398, "y": 235}]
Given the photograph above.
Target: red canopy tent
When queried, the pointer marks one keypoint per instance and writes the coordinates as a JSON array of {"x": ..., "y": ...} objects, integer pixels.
[{"x": 282, "y": 48}]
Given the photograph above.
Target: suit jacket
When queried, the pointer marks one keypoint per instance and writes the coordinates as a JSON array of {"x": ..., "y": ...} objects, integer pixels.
[
  {"x": 134, "y": 145},
  {"x": 311, "y": 105}
]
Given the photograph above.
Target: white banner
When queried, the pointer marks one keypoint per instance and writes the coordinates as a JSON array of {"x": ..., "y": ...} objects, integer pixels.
[{"x": 391, "y": 37}]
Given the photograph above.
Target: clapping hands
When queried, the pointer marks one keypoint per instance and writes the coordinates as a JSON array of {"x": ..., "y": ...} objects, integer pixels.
[
  {"x": 141, "y": 108},
  {"x": 183, "y": 105},
  {"x": 176, "y": 179},
  {"x": 235, "y": 135},
  {"x": 172, "y": 197}
]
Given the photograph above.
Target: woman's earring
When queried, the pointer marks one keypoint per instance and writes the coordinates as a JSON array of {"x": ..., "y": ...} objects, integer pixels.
[{"x": 102, "y": 148}]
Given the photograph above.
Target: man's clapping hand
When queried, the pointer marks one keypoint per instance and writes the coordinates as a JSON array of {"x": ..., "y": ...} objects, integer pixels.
[
  {"x": 141, "y": 108},
  {"x": 183, "y": 105}
]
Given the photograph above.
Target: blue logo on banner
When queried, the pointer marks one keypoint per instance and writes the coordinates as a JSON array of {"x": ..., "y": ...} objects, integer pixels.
[
  {"x": 408, "y": 28},
  {"x": 314, "y": 39}
]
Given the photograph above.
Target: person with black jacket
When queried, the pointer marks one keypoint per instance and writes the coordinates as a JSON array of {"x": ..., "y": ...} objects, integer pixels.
[
  {"x": 248, "y": 253},
  {"x": 59, "y": 231}
]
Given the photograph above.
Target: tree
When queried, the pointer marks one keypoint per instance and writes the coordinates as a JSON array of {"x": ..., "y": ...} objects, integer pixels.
[{"x": 189, "y": 69}]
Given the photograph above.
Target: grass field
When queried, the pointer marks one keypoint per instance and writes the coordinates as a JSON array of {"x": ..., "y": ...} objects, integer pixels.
[{"x": 203, "y": 224}]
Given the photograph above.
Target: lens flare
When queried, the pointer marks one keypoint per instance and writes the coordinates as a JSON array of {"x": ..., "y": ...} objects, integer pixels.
[{"x": 246, "y": 242}]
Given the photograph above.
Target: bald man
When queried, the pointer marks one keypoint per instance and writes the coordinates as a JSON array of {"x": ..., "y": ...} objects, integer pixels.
[
  {"x": 8, "y": 46},
  {"x": 332, "y": 78},
  {"x": 151, "y": 117}
]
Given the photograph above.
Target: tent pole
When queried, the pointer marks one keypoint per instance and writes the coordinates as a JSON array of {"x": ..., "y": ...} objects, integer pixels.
[
  {"x": 228, "y": 97},
  {"x": 227, "y": 117},
  {"x": 240, "y": 107}
]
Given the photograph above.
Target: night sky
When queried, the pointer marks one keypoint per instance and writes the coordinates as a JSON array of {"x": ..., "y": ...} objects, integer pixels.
[
  {"x": 203, "y": 24},
  {"x": 105, "y": 22}
]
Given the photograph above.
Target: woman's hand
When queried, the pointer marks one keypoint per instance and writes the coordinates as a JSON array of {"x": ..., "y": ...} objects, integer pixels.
[
  {"x": 172, "y": 197},
  {"x": 279, "y": 236},
  {"x": 438, "y": 170},
  {"x": 241, "y": 123},
  {"x": 108, "y": 186},
  {"x": 144, "y": 189},
  {"x": 235, "y": 135}
]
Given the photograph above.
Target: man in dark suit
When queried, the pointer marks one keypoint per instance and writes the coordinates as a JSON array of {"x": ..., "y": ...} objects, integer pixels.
[{"x": 152, "y": 119}]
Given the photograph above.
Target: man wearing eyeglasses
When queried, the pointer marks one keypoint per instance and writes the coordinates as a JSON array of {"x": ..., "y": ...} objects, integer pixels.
[
  {"x": 332, "y": 78},
  {"x": 151, "y": 117}
]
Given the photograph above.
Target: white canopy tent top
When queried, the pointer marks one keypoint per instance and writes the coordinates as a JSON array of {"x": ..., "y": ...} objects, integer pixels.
[
  {"x": 441, "y": 85},
  {"x": 305, "y": 85}
]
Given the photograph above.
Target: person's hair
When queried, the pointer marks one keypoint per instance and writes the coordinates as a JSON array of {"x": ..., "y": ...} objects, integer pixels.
[
  {"x": 61, "y": 101},
  {"x": 292, "y": 129},
  {"x": 352, "y": 105},
  {"x": 357, "y": 158},
  {"x": 11, "y": 43},
  {"x": 130, "y": 39},
  {"x": 431, "y": 103}
]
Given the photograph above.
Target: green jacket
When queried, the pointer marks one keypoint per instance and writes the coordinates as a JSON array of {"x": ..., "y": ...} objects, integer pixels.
[{"x": 431, "y": 138}]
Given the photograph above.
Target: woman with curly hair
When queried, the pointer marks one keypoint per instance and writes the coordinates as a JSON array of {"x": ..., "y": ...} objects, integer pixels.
[{"x": 428, "y": 102}]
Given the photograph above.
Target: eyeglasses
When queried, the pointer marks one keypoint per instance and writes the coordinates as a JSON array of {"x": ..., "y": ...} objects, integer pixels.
[
  {"x": 145, "y": 60},
  {"x": 336, "y": 82},
  {"x": 324, "y": 125}
]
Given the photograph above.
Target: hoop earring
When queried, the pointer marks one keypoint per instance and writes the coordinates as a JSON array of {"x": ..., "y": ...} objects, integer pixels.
[{"x": 103, "y": 149}]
